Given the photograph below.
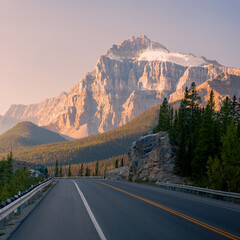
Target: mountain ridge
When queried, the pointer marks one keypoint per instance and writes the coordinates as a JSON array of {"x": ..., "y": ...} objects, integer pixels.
[
  {"x": 120, "y": 88},
  {"x": 26, "y": 134}
]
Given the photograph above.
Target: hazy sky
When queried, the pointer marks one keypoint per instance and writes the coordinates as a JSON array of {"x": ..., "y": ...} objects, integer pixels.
[{"x": 46, "y": 46}]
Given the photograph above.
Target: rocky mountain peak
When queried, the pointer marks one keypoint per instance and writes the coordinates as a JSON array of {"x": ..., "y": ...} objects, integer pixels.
[
  {"x": 132, "y": 47},
  {"x": 132, "y": 77},
  {"x": 141, "y": 48}
]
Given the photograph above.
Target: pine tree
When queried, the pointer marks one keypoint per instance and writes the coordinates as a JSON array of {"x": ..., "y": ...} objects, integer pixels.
[
  {"x": 60, "y": 172},
  {"x": 234, "y": 109},
  {"x": 87, "y": 172},
  {"x": 116, "y": 163},
  {"x": 69, "y": 174},
  {"x": 122, "y": 163},
  {"x": 206, "y": 146},
  {"x": 181, "y": 139},
  {"x": 56, "y": 169},
  {"x": 186, "y": 125},
  {"x": 231, "y": 158},
  {"x": 8, "y": 168},
  {"x": 164, "y": 117},
  {"x": 193, "y": 123},
  {"x": 105, "y": 169},
  {"x": 225, "y": 115},
  {"x": 215, "y": 173},
  {"x": 80, "y": 171},
  {"x": 96, "y": 169}
]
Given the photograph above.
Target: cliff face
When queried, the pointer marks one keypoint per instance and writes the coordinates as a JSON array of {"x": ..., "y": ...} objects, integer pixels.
[
  {"x": 151, "y": 158},
  {"x": 132, "y": 77}
]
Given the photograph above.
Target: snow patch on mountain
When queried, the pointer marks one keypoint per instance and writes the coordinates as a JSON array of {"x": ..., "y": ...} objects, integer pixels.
[
  {"x": 174, "y": 57},
  {"x": 114, "y": 57}
]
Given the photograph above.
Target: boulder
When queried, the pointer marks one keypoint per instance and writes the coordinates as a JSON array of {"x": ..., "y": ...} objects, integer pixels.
[{"x": 117, "y": 174}]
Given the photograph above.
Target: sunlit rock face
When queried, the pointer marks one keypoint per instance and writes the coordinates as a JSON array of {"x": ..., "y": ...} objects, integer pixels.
[{"x": 132, "y": 77}]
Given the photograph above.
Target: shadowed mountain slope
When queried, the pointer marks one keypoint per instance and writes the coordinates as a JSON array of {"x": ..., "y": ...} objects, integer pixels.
[{"x": 26, "y": 134}]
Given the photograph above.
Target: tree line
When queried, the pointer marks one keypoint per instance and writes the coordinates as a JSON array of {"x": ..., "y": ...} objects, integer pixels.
[
  {"x": 96, "y": 168},
  {"x": 12, "y": 182},
  {"x": 207, "y": 141}
]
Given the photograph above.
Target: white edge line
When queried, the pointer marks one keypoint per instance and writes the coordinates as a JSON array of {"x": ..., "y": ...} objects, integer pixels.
[{"x": 94, "y": 221}]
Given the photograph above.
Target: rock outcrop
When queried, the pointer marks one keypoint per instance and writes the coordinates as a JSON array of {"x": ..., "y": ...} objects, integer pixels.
[
  {"x": 151, "y": 158},
  {"x": 132, "y": 77},
  {"x": 117, "y": 174}
]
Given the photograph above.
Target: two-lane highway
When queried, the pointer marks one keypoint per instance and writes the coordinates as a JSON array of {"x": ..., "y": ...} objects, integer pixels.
[{"x": 100, "y": 209}]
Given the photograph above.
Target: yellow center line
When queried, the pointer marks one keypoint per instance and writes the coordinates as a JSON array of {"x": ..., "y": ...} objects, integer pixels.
[{"x": 205, "y": 225}]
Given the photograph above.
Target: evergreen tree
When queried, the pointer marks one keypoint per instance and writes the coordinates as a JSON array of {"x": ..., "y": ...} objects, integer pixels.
[
  {"x": 193, "y": 124},
  {"x": 87, "y": 172},
  {"x": 60, "y": 172},
  {"x": 224, "y": 172},
  {"x": 69, "y": 174},
  {"x": 122, "y": 163},
  {"x": 181, "y": 140},
  {"x": 215, "y": 173},
  {"x": 234, "y": 110},
  {"x": 96, "y": 169},
  {"x": 186, "y": 125},
  {"x": 206, "y": 145},
  {"x": 164, "y": 117},
  {"x": 116, "y": 163},
  {"x": 105, "y": 169},
  {"x": 80, "y": 171},
  {"x": 225, "y": 115},
  {"x": 8, "y": 168},
  {"x": 181, "y": 165},
  {"x": 173, "y": 130},
  {"x": 56, "y": 169},
  {"x": 231, "y": 158}
]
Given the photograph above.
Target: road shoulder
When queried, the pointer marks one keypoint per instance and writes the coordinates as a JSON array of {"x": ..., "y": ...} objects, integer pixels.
[{"x": 17, "y": 220}]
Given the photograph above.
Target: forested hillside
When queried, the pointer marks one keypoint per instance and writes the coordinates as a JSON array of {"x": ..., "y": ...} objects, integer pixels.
[
  {"x": 92, "y": 148},
  {"x": 26, "y": 134}
]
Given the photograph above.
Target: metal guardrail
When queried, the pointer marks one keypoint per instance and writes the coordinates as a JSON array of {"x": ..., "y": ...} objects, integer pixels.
[
  {"x": 20, "y": 203},
  {"x": 206, "y": 192}
]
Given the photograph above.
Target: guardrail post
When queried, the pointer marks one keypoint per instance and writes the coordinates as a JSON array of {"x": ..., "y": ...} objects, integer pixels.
[
  {"x": 3, "y": 222},
  {"x": 19, "y": 209},
  {"x": 11, "y": 215}
]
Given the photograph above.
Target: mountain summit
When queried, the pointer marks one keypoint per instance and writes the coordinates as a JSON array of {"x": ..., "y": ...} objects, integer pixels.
[
  {"x": 133, "y": 47},
  {"x": 143, "y": 49},
  {"x": 132, "y": 77}
]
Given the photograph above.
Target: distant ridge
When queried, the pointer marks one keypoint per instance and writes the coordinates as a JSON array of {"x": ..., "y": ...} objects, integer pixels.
[{"x": 26, "y": 134}]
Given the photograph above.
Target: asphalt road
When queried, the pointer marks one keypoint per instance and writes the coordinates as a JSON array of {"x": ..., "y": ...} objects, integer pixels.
[{"x": 117, "y": 210}]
